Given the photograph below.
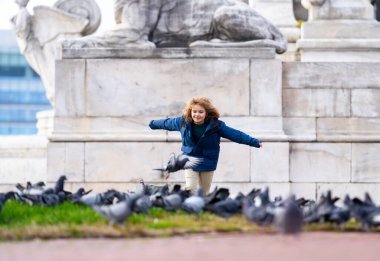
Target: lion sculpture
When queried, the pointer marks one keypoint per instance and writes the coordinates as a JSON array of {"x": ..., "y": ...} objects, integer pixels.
[{"x": 185, "y": 23}]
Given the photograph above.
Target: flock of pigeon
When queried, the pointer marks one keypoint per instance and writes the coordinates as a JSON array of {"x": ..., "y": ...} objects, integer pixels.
[{"x": 286, "y": 215}]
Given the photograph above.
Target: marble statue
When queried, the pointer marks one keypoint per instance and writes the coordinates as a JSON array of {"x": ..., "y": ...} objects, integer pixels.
[
  {"x": 185, "y": 23},
  {"x": 38, "y": 34}
]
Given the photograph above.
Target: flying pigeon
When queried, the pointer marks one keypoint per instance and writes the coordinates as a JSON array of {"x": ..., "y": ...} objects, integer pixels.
[{"x": 179, "y": 162}]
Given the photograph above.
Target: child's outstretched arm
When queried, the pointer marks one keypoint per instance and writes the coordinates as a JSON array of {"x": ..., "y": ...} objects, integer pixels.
[
  {"x": 170, "y": 124},
  {"x": 238, "y": 136}
]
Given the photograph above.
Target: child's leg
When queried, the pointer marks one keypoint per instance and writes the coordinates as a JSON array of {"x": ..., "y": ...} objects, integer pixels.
[
  {"x": 205, "y": 179},
  {"x": 192, "y": 180}
]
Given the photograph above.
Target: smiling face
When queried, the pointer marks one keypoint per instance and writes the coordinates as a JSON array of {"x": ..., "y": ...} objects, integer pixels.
[{"x": 198, "y": 114}]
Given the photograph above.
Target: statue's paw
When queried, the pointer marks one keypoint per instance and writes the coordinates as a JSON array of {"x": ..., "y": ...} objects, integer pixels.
[
  {"x": 144, "y": 45},
  {"x": 75, "y": 44},
  {"x": 200, "y": 44}
]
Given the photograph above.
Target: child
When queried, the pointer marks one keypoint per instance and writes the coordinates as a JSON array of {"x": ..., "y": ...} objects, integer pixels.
[{"x": 201, "y": 131}]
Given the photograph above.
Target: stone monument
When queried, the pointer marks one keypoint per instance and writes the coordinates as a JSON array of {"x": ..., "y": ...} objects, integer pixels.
[
  {"x": 319, "y": 121},
  {"x": 340, "y": 30}
]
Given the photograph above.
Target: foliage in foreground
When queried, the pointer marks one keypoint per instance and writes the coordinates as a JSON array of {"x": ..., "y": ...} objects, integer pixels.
[{"x": 19, "y": 221}]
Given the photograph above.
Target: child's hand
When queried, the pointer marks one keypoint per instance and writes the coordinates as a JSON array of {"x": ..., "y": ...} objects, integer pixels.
[
  {"x": 260, "y": 145},
  {"x": 166, "y": 175}
]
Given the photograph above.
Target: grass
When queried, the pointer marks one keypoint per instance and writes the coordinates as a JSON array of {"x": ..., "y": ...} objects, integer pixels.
[{"x": 21, "y": 222}]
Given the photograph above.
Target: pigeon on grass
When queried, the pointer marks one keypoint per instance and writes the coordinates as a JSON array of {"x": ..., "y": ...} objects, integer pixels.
[
  {"x": 119, "y": 212},
  {"x": 288, "y": 219},
  {"x": 195, "y": 203}
]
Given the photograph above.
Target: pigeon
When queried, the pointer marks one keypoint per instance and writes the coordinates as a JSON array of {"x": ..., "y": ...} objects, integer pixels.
[
  {"x": 5, "y": 197},
  {"x": 366, "y": 212},
  {"x": 60, "y": 184},
  {"x": 119, "y": 212},
  {"x": 105, "y": 198},
  {"x": 35, "y": 189},
  {"x": 78, "y": 194},
  {"x": 179, "y": 162},
  {"x": 228, "y": 207},
  {"x": 195, "y": 203},
  {"x": 142, "y": 204},
  {"x": 289, "y": 218},
  {"x": 219, "y": 194},
  {"x": 342, "y": 215},
  {"x": 259, "y": 212}
]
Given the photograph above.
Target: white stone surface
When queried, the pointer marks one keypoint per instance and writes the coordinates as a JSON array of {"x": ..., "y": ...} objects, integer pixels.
[
  {"x": 340, "y": 30},
  {"x": 233, "y": 164},
  {"x": 70, "y": 86},
  {"x": 358, "y": 55},
  {"x": 22, "y": 158},
  {"x": 133, "y": 128},
  {"x": 353, "y": 29},
  {"x": 339, "y": 9},
  {"x": 331, "y": 75},
  {"x": 300, "y": 128},
  {"x": 66, "y": 158},
  {"x": 265, "y": 128},
  {"x": 45, "y": 122},
  {"x": 365, "y": 102},
  {"x": 280, "y": 13},
  {"x": 306, "y": 190},
  {"x": 265, "y": 88},
  {"x": 320, "y": 162},
  {"x": 126, "y": 162},
  {"x": 132, "y": 161},
  {"x": 366, "y": 162},
  {"x": 316, "y": 102},
  {"x": 56, "y": 160},
  {"x": 348, "y": 129},
  {"x": 270, "y": 163},
  {"x": 275, "y": 189},
  {"x": 169, "y": 53},
  {"x": 161, "y": 87}
]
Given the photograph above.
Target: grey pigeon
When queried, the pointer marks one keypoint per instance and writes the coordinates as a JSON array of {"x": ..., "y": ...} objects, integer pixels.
[
  {"x": 228, "y": 207},
  {"x": 5, "y": 197},
  {"x": 289, "y": 218},
  {"x": 219, "y": 194},
  {"x": 263, "y": 213},
  {"x": 142, "y": 204},
  {"x": 36, "y": 189},
  {"x": 171, "y": 202},
  {"x": 179, "y": 162},
  {"x": 105, "y": 198},
  {"x": 60, "y": 184},
  {"x": 195, "y": 203},
  {"x": 365, "y": 212},
  {"x": 119, "y": 212}
]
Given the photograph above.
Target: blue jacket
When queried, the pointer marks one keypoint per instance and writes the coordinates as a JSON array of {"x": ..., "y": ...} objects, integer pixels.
[{"x": 208, "y": 145}]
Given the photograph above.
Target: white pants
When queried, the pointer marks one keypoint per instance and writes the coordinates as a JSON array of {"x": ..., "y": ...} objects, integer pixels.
[{"x": 195, "y": 178}]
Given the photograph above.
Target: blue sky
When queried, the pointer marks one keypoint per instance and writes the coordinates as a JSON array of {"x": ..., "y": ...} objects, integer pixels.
[{"x": 8, "y": 8}]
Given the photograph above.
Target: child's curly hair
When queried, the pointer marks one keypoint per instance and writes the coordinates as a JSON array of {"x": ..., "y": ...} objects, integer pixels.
[{"x": 211, "y": 110}]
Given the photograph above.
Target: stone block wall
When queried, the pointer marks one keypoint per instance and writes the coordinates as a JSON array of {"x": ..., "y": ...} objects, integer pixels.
[
  {"x": 319, "y": 122},
  {"x": 332, "y": 117}
]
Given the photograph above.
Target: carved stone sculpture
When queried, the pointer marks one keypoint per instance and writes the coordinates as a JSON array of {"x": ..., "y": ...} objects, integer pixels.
[
  {"x": 183, "y": 23},
  {"x": 38, "y": 34}
]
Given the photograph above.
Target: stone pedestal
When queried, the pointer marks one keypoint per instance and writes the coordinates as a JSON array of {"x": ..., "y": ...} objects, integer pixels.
[
  {"x": 108, "y": 96},
  {"x": 340, "y": 30}
]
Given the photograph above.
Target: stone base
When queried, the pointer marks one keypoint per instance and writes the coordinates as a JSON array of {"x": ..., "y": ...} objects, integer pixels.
[
  {"x": 340, "y": 41},
  {"x": 339, "y": 50}
]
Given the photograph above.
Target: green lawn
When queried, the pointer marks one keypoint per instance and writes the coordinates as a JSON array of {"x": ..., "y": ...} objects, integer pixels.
[{"x": 19, "y": 222}]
